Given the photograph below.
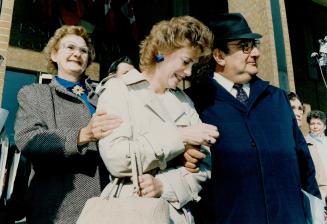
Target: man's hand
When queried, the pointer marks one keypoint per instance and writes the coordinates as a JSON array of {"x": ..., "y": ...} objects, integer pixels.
[{"x": 192, "y": 156}]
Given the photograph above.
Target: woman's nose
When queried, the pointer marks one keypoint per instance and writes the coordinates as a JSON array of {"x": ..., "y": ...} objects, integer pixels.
[
  {"x": 77, "y": 53},
  {"x": 188, "y": 71}
]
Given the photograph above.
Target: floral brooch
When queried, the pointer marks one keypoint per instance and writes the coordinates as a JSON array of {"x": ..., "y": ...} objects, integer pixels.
[{"x": 78, "y": 90}]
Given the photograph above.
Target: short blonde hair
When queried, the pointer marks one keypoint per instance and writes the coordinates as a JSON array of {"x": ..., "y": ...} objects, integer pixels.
[
  {"x": 53, "y": 44},
  {"x": 170, "y": 35}
]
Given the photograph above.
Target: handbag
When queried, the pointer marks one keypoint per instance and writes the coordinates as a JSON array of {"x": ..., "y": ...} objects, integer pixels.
[{"x": 109, "y": 209}]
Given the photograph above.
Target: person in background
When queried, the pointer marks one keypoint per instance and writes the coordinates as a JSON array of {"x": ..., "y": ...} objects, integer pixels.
[
  {"x": 317, "y": 125},
  {"x": 159, "y": 120},
  {"x": 261, "y": 161},
  {"x": 118, "y": 68},
  {"x": 121, "y": 66},
  {"x": 57, "y": 129},
  {"x": 321, "y": 174}
]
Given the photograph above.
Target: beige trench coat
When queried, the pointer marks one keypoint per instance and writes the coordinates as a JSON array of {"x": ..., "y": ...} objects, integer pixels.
[
  {"x": 150, "y": 129},
  {"x": 321, "y": 174}
]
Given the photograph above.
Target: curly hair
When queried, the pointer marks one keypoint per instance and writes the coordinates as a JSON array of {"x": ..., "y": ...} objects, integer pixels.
[
  {"x": 53, "y": 44},
  {"x": 316, "y": 114},
  {"x": 169, "y": 35}
]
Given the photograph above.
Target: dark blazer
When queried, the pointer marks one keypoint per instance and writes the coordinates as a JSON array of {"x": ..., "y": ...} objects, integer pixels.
[
  {"x": 261, "y": 160},
  {"x": 47, "y": 125}
]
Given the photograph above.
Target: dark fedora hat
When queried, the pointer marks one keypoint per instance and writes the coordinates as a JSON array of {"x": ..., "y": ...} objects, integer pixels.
[{"x": 231, "y": 26}]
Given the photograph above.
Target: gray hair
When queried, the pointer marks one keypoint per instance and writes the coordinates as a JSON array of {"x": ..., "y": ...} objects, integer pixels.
[{"x": 316, "y": 114}]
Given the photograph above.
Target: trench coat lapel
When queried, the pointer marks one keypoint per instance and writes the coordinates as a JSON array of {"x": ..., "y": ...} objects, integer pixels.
[{"x": 140, "y": 86}]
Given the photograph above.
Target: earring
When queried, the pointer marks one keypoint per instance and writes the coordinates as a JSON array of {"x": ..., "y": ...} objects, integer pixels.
[{"x": 159, "y": 58}]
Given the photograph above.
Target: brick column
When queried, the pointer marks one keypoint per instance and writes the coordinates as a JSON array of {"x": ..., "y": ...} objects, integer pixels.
[{"x": 5, "y": 25}]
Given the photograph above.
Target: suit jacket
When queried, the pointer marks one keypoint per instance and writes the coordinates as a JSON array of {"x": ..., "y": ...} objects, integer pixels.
[
  {"x": 261, "y": 160},
  {"x": 151, "y": 130},
  {"x": 47, "y": 126}
]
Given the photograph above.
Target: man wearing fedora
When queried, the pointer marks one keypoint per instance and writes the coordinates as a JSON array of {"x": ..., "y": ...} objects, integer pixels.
[{"x": 261, "y": 161}]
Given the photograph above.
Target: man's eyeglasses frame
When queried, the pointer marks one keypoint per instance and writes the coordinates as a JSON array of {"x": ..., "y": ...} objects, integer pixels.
[{"x": 247, "y": 45}]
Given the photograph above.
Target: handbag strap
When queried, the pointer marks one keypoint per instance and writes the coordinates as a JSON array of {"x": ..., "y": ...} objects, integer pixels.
[
  {"x": 135, "y": 155},
  {"x": 107, "y": 192},
  {"x": 136, "y": 172}
]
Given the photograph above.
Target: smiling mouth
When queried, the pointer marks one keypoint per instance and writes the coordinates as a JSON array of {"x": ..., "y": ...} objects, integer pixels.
[
  {"x": 77, "y": 62},
  {"x": 178, "y": 77}
]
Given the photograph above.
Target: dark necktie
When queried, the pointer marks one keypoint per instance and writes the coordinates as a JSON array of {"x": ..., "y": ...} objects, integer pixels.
[{"x": 241, "y": 94}]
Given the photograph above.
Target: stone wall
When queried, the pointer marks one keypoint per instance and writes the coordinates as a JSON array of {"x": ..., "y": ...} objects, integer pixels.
[{"x": 5, "y": 25}]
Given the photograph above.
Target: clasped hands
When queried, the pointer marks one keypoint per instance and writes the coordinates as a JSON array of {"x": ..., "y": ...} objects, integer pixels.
[
  {"x": 193, "y": 137},
  {"x": 102, "y": 124}
]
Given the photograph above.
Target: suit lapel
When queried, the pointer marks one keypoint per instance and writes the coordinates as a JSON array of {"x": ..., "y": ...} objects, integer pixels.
[
  {"x": 223, "y": 95},
  {"x": 257, "y": 87}
]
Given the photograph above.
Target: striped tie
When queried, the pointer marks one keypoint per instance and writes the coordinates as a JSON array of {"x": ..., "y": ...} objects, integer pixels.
[{"x": 241, "y": 94}]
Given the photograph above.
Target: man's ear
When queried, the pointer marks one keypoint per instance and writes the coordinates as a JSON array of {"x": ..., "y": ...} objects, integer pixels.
[{"x": 219, "y": 56}]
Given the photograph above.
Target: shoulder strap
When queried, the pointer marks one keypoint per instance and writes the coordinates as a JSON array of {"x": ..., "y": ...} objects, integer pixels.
[{"x": 135, "y": 155}]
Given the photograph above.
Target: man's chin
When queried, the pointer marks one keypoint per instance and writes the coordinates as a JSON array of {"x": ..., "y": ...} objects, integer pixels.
[{"x": 246, "y": 78}]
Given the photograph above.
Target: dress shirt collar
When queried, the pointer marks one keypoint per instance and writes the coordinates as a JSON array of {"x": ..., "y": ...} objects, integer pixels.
[{"x": 228, "y": 84}]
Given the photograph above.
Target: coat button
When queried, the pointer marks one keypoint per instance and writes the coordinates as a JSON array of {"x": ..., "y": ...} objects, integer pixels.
[{"x": 253, "y": 144}]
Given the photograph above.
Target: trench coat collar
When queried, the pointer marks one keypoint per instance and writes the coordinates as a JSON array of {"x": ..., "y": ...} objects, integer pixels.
[
  {"x": 139, "y": 85},
  {"x": 90, "y": 85}
]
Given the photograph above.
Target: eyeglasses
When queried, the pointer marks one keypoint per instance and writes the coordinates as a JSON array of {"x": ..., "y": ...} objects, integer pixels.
[
  {"x": 247, "y": 45},
  {"x": 70, "y": 47}
]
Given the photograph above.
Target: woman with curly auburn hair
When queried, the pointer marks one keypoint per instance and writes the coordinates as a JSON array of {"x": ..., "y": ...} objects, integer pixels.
[
  {"x": 57, "y": 129},
  {"x": 159, "y": 120},
  {"x": 168, "y": 36}
]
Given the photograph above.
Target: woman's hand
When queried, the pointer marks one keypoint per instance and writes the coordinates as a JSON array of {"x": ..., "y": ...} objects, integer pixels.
[
  {"x": 202, "y": 134},
  {"x": 100, "y": 125},
  {"x": 191, "y": 157},
  {"x": 150, "y": 187}
]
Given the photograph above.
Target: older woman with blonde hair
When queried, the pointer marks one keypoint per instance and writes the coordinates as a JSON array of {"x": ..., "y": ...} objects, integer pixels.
[
  {"x": 159, "y": 120},
  {"x": 57, "y": 129}
]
